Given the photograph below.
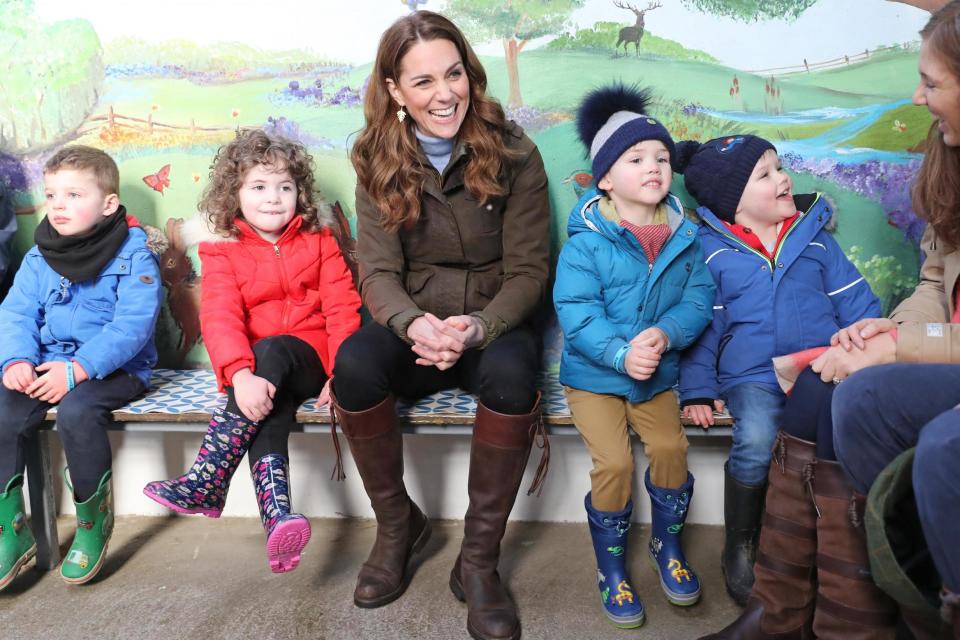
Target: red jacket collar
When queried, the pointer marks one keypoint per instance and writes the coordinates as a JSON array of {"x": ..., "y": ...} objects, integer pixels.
[
  {"x": 751, "y": 239},
  {"x": 247, "y": 231}
]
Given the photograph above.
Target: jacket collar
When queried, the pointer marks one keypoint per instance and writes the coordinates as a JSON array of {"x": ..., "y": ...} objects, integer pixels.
[{"x": 247, "y": 232}]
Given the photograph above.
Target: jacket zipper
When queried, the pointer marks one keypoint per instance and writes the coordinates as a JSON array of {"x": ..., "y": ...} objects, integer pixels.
[{"x": 285, "y": 314}]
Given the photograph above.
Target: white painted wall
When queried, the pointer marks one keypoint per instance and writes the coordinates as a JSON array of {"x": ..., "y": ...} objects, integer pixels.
[{"x": 436, "y": 476}]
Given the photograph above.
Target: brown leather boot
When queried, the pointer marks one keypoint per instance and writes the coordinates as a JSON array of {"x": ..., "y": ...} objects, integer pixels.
[
  {"x": 402, "y": 529},
  {"x": 781, "y": 602},
  {"x": 849, "y": 605},
  {"x": 950, "y": 610},
  {"x": 498, "y": 456}
]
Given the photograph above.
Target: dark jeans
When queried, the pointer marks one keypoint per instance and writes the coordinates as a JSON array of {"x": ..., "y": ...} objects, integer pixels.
[
  {"x": 808, "y": 414},
  {"x": 882, "y": 411},
  {"x": 296, "y": 371},
  {"x": 83, "y": 417},
  {"x": 374, "y": 362}
]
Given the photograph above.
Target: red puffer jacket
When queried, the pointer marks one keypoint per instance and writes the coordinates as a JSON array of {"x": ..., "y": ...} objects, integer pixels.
[{"x": 252, "y": 289}]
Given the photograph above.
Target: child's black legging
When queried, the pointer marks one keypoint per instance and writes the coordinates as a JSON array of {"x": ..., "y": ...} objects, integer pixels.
[{"x": 807, "y": 413}]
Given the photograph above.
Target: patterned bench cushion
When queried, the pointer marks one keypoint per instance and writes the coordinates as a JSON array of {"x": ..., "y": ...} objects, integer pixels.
[{"x": 189, "y": 395}]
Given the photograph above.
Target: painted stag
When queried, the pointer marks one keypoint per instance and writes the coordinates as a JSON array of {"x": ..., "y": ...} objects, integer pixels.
[{"x": 635, "y": 33}]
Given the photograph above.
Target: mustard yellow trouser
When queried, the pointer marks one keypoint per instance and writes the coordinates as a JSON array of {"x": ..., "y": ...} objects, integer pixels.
[{"x": 602, "y": 422}]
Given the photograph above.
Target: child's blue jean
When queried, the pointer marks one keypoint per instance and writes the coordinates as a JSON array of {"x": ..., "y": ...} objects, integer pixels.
[{"x": 756, "y": 410}]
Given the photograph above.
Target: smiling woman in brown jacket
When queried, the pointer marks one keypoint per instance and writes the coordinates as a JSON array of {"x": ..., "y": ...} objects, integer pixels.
[{"x": 453, "y": 239}]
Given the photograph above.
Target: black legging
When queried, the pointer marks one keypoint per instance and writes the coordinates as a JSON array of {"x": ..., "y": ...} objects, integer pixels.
[
  {"x": 807, "y": 413},
  {"x": 374, "y": 362},
  {"x": 295, "y": 370}
]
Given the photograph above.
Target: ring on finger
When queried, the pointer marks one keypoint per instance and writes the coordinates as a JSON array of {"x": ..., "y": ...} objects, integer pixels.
[{"x": 837, "y": 380}]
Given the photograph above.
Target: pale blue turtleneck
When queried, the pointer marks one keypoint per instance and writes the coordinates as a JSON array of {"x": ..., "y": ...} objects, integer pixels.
[{"x": 438, "y": 150}]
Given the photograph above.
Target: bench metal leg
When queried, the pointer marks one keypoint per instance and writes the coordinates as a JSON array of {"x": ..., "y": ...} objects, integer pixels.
[{"x": 43, "y": 504}]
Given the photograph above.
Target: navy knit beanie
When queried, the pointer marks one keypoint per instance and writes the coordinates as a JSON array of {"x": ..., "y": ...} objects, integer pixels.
[
  {"x": 716, "y": 172},
  {"x": 612, "y": 119}
]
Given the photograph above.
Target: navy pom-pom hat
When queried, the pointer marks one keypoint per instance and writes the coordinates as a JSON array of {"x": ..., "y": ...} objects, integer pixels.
[
  {"x": 612, "y": 119},
  {"x": 716, "y": 172}
]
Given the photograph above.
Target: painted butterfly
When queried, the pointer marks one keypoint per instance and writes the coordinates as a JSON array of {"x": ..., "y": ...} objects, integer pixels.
[{"x": 157, "y": 181}]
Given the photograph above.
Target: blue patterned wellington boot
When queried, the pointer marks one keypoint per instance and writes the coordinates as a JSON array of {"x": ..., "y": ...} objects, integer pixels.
[
  {"x": 609, "y": 533},
  {"x": 203, "y": 488},
  {"x": 287, "y": 533},
  {"x": 668, "y": 512}
]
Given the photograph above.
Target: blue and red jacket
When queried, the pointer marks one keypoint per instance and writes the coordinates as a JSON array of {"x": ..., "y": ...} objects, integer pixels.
[{"x": 766, "y": 307}]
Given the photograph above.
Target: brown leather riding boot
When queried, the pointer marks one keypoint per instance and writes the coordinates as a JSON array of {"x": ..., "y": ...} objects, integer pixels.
[
  {"x": 849, "y": 605},
  {"x": 402, "y": 529},
  {"x": 498, "y": 456},
  {"x": 781, "y": 602}
]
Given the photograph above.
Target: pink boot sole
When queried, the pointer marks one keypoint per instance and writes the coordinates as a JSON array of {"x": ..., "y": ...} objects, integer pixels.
[
  {"x": 210, "y": 513},
  {"x": 286, "y": 542}
]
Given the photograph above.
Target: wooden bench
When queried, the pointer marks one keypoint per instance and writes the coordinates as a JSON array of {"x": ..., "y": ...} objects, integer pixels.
[{"x": 180, "y": 400}]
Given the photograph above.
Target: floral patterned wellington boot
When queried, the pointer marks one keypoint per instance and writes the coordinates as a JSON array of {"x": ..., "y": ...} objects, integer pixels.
[
  {"x": 94, "y": 528},
  {"x": 287, "y": 533},
  {"x": 203, "y": 488},
  {"x": 17, "y": 545},
  {"x": 608, "y": 530},
  {"x": 668, "y": 512}
]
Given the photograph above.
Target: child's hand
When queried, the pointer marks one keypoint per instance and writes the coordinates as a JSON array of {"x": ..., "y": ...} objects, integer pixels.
[
  {"x": 52, "y": 385},
  {"x": 653, "y": 338},
  {"x": 641, "y": 362},
  {"x": 254, "y": 395},
  {"x": 324, "y": 398},
  {"x": 702, "y": 414},
  {"x": 19, "y": 376}
]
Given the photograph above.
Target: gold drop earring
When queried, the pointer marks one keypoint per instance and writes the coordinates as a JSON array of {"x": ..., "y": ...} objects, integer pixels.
[{"x": 401, "y": 114}]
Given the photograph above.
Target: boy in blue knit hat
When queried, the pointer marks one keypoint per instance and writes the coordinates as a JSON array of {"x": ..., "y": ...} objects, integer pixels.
[
  {"x": 783, "y": 286},
  {"x": 631, "y": 291}
]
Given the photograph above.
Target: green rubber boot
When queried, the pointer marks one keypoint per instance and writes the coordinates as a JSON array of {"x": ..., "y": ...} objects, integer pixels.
[
  {"x": 17, "y": 545},
  {"x": 94, "y": 527}
]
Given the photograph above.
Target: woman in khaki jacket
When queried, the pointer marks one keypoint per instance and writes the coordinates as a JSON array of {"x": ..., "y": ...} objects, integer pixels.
[
  {"x": 908, "y": 391},
  {"x": 453, "y": 240}
]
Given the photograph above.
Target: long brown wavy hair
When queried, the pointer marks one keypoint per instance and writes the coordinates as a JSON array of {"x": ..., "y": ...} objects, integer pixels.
[
  {"x": 386, "y": 153},
  {"x": 220, "y": 202},
  {"x": 936, "y": 191}
]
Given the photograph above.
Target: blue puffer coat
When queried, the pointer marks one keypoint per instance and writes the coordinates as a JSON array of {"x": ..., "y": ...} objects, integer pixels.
[
  {"x": 105, "y": 323},
  {"x": 766, "y": 308},
  {"x": 607, "y": 292}
]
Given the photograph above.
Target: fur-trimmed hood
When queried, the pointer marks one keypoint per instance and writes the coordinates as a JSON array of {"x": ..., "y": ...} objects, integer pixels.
[{"x": 199, "y": 228}]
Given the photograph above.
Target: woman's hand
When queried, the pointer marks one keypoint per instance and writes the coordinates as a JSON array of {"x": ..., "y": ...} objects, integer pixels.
[
  {"x": 860, "y": 331},
  {"x": 436, "y": 343},
  {"x": 702, "y": 414},
  {"x": 254, "y": 395},
  {"x": 837, "y": 364}
]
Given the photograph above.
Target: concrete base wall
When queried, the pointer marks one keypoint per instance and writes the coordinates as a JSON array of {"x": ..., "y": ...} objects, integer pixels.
[{"x": 436, "y": 476}]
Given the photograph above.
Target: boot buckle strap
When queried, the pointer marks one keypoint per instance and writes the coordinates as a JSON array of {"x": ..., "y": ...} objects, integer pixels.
[
  {"x": 808, "y": 474},
  {"x": 538, "y": 434},
  {"x": 875, "y": 619},
  {"x": 338, "y": 473},
  {"x": 843, "y": 568},
  {"x": 800, "y": 572},
  {"x": 788, "y": 527}
]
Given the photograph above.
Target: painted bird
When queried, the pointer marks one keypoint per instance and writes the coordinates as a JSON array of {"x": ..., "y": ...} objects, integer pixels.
[{"x": 582, "y": 180}]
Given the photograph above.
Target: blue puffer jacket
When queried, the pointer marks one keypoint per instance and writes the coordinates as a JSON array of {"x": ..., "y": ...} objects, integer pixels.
[
  {"x": 607, "y": 292},
  {"x": 105, "y": 323},
  {"x": 770, "y": 308}
]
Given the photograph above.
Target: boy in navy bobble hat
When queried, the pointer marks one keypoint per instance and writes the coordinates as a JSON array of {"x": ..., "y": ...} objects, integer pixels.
[
  {"x": 632, "y": 290},
  {"x": 783, "y": 286}
]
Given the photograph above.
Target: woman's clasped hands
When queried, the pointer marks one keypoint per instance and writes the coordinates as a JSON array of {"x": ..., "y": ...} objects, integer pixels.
[{"x": 440, "y": 343}]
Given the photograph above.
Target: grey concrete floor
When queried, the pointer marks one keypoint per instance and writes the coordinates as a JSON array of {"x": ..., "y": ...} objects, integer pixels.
[{"x": 191, "y": 577}]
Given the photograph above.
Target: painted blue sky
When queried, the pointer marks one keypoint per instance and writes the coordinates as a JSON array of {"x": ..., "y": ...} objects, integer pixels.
[{"x": 349, "y": 31}]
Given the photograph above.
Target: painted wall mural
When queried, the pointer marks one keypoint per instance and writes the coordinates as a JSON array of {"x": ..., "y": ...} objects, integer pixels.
[{"x": 829, "y": 81}]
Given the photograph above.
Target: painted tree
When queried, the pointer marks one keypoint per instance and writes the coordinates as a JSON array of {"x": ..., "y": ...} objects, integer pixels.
[
  {"x": 51, "y": 81},
  {"x": 752, "y": 10},
  {"x": 514, "y": 23}
]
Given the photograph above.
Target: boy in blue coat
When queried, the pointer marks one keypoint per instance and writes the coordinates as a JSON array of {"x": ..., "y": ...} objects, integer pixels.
[
  {"x": 76, "y": 331},
  {"x": 783, "y": 285},
  {"x": 631, "y": 292}
]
